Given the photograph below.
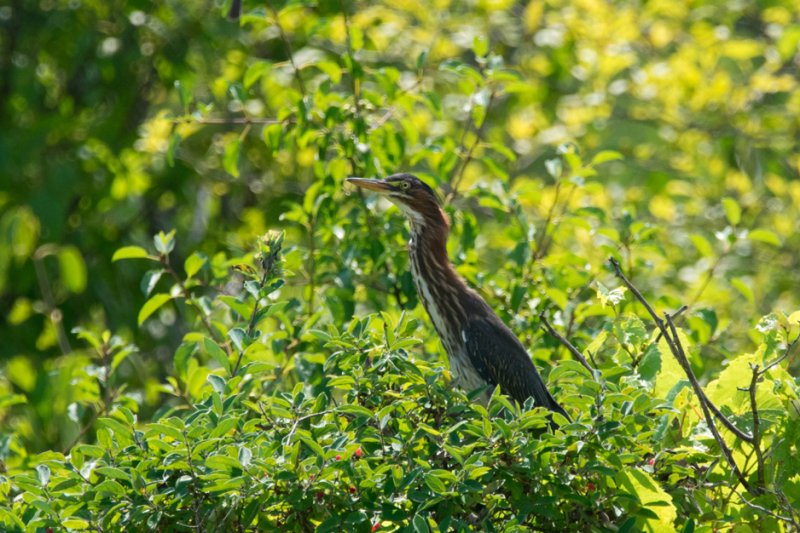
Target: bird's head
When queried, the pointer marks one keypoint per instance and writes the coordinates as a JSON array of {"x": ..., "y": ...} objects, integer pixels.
[{"x": 413, "y": 196}]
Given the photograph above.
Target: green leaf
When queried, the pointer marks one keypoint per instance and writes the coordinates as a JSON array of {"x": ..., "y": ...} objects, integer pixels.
[
  {"x": 733, "y": 212},
  {"x": 609, "y": 297},
  {"x": 149, "y": 281},
  {"x": 704, "y": 248},
  {"x": 435, "y": 484},
  {"x": 255, "y": 72},
  {"x": 217, "y": 354},
  {"x": 152, "y": 305},
  {"x": 72, "y": 268},
  {"x": 765, "y": 236},
  {"x": 480, "y": 45},
  {"x": 605, "y": 156},
  {"x": 651, "y": 496},
  {"x": 174, "y": 142},
  {"x": 230, "y": 159},
  {"x": 43, "y": 472},
  {"x": 331, "y": 69},
  {"x": 420, "y": 525},
  {"x": 553, "y": 167},
  {"x": 164, "y": 242},
  {"x": 744, "y": 289},
  {"x": 112, "y": 472},
  {"x": 193, "y": 264},
  {"x": 158, "y": 428},
  {"x": 131, "y": 252}
]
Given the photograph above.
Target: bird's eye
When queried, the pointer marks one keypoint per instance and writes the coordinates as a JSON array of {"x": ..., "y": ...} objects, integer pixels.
[{"x": 405, "y": 185}]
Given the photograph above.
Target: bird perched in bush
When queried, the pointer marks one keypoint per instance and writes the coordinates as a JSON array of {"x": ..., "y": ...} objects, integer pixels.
[{"x": 483, "y": 352}]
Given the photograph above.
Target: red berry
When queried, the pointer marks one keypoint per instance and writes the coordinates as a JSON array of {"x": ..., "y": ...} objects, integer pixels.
[
  {"x": 338, "y": 457},
  {"x": 320, "y": 495},
  {"x": 651, "y": 462},
  {"x": 311, "y": 477},
  {"x": 590, "y": 487},
  {"x": 358, "y": 453},
  {"x": 376, "y": 526},
  {"x": 352, "y": 490},
  {"x": 49, "y": 530}
]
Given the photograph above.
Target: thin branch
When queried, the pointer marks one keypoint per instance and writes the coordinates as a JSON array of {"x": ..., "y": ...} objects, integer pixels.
[
  {"x": 756, "y": 425},
  {"x": 705, "y": 406},
  {"x": 458, "y": 175},
  {"x": 53, "y": 313},
  {"x": 228, "y": 121},
  {"x": 757, "y": 507},
  {"x": 192, "y": 303},
  {"x": 568, "y": 345},
  {"x": 671, "y": 336},
  {"x": 779, "y": 360},
  {"x": 349, "y": 42},
  {"x": 288, "y": 47},
  {"x": 303, "y": 418},
  {"x": 676, "y": 348}
]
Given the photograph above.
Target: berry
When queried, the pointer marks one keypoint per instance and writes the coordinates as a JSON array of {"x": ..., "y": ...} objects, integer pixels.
[
  {"x": 376, "y": 526},
  {"x": 352, "y": 490},
  {"x": 358, "y": 453},
  {"x": 338, "y": 457}
]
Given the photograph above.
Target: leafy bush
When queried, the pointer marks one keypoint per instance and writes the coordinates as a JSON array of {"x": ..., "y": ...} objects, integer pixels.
[{"x": 300, "y": 385}]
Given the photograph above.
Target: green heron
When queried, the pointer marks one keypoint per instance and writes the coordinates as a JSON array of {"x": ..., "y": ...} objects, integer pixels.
[{"x": 481, "y": 349}]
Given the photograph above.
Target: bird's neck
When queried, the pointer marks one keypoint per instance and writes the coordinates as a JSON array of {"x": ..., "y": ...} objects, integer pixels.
[{"x": 441, "y": 290}]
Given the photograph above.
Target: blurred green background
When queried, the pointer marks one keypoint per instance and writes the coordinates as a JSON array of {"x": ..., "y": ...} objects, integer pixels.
[{"x": 122, "y": 119}]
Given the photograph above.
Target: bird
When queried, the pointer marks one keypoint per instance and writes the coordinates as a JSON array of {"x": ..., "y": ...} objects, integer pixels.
[{"x": 483, "y": 352}]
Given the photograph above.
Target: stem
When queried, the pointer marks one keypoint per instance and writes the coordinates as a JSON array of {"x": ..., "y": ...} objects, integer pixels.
[
  {"x": 572, "y": 349},
  {"x": 349, "y": 42},
  {"x": 53, "y": 313},
  {"x": 671, "y": 336},
  {"x": 188, "y": 297},
  {"x": 227, "y": 121},
  {"x": 288, "y": 48},
  {"x": 675, "y": 346},
  {"x": 756, "y": 425},
  {"x": 195, "y": 504},
  {"x": 312, "y": 264},
  {"x": 459, "y": 173}
]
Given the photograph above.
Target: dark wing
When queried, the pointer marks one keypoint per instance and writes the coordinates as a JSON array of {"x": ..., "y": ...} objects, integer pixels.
[{"x": 500, "y": 359}]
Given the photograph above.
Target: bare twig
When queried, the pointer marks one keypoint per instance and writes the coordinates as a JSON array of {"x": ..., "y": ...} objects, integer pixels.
[
  {"x": 764, "y": 510},
  {"x": 53, "y": 313},
  {"x": 268, "y": 264},
  {"x": 756, "y": 425},
  {"x": 192, "y": 303},
  {"x": 568, "y": 345},
  {"x": 705, "y": 404},
  {"x": 349, "y": 42},
  {"x": 303, "y": 418},
  {"x": 779, "y": 360},
  {"x": 676, "y": 348},
  {"x": 226, "y": 121},
  {"x": 458, "y": 174},
  {"x": 288, "y": 47}
]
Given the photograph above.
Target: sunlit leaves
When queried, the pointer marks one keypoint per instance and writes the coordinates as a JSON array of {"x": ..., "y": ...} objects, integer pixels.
[
  {"x": 72, "y": 269},
  {"x": 130, "y": 252},
  {"x": 152, "y": 305}
]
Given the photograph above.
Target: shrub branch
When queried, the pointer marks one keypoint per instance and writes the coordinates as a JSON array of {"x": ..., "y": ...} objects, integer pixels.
[
  {"x": 670, "y": 334},
  {"x": 568, "y": 345}
]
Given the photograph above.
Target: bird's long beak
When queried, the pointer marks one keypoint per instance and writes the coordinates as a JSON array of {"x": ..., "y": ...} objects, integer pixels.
[{"x": 373, "y": 185}]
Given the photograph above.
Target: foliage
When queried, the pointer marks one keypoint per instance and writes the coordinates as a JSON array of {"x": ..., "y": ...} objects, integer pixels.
[{"x": 186, "y": 380}]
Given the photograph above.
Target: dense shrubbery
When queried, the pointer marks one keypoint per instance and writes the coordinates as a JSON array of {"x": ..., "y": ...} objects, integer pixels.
[{"x": 191, "y": 380}]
